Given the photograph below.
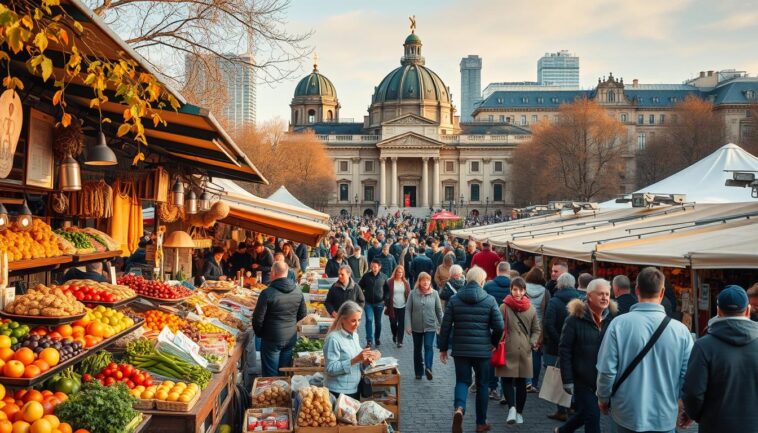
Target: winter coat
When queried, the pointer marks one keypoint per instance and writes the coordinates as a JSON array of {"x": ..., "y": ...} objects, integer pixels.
[
  {"x": 441, "y": 275},
  {"x": 332, "y": 269},
  {"x": 487, "y": 260},
  {"x": 302, "y": 255},
  {"x": 389, "y": 290},
  {"x": 373, "y": 252},
  {"x": 338, "y": 294},
  {"x": 477, "y": 322},
  {"x": 212, "y": 270},
  {"x": 373, "y": 287},
  {"x": 469, "y": 257},
  {"x": 539, "y": 297},
  {"x": 239, "y": 261},
  {"x": 423, "y": 313},
  {"x": 396, "y": 250},
  {"x": 292, "y": 261},
  {"x": 280, "y": 306},
  {"x": 388, "y": 264},
  {"x": 450, "y": 288},
  {"x": 519, "y": 342},
  {"x": 554, "y": 317},
  {"x": 460, "y": 256},
  {"x": 625, "y": 302},
  {"x": 499, "y": 288},
  {"x": 358, "y": 265},
  {"x": 580, "y": 343},
  {"x": 264, "y": 260},
  {"x": 421, "y": 263},
  {"x": 719, "y": 389}
]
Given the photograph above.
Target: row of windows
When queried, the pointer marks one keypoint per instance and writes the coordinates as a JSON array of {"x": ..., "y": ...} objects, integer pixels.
[
  {"x": 474, "y": 167},
  {"x": 475, "y": 192}
]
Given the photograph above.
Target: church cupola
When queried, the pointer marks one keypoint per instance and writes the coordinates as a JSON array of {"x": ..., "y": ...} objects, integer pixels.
[{"x": 412, "y": 46}]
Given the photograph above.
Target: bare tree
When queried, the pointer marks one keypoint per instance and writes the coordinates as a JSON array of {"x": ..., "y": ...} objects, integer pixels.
[
  {"x": 652, "y": 162},
  {"x": 749, "y": 141},
  {"x": 210, "y": 32}
]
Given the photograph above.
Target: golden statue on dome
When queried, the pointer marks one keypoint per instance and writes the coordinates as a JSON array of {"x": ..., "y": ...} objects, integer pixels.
[{"x": 413, "y": 23}]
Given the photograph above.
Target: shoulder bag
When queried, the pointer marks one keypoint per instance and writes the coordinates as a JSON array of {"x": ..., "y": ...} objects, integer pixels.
[
  {"x": 636, "y": 361},
  {"x": 497, "y": 359}
]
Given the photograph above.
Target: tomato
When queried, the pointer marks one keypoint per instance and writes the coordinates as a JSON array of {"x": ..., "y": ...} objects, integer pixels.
[
  {"x": 109, "y": 381},
  {"x": 100, "y": 376},
  {"x": 130, "y": 384},
  {"x": 86, "y": 377},
  {"x": 139, "y": 379},
  {"x": 148, "y": 382},
  {"x": 118, "y": 375}
]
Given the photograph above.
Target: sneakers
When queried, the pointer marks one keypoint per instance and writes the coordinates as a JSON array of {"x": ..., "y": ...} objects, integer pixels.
[
  {"x": 519, "y": 419},
  {"x": 503, "y": 401},
  {"x": 494, "y": 395},
  {"x": 511, "y": 416},
  {"x": 458, "y": 421},
  {"x": 472, "y": 388},
  {"x": 428, "y": 372},
  {"x": 418, "y": 377},
  {"x": 378, "y": 343},
  {"x": 399, "y": 345}
]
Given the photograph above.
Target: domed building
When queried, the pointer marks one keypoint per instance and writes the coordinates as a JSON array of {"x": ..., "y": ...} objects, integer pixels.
[{"x": 410, "y": 153}]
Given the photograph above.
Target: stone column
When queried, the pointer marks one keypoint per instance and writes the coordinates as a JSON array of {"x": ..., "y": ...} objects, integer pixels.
[
  {"x": 485, "y": 192},
  {"x": 356, "y": 180},
  {"x": 383, "y": 182},
  {"x": 462, "y": 187},
  {"x": 394, "y": 181},
  {"x": 424, "y": 182},
  {"x": 436, "y": 180}
]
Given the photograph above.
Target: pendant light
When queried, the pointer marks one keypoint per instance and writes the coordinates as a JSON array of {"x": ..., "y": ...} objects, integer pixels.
[
  {"x": 3, "y": 217},
  {"x": 70, "y": 174},
  {"x": 101, "y": 154},
  {"x": 178, "y": 190},
  {"x": 24, "y": 219},
  {"x": 191, "y": 203},
  {"x": 205, "y": 201}
]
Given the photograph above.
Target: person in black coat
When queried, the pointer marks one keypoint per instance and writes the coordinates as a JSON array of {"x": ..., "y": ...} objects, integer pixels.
[
  {"x": 421, "y": 263},
  {"x": 241, "y": 260},
  {"x": 301, "y": 251},
  {"x": 719, "y": 387},
  {"x": 280, "y": 306},
  {"x": 580, "y": 341},
  {"x": 344, "y": 289},
  {"x": 334, "y": 264},
  {"x": 372, "y": 283},
  {"x": 622, "y": 292},
  {"x": 500, "y": 286},
  {"x": 262, "y": 261},
  {"x": 213, "y": 268}
]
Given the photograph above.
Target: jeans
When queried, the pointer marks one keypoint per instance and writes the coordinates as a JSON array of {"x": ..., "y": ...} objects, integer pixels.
[
  {"x": 552, "y": 360},
  {"x": 397, "y": 324},
  {"x": 463, "y": 367},
  {"x": 587, "y": 415},
  {"x": 373, "y": 321},
  {"x": 275, "y": 356},
  {"x": 493, "y": 379},
  {"x": 621, "y": 429},
  {"x": 425, "y": 341},
  {"x": 514, "y": 391},
  {"x": 536, "y": 367}
]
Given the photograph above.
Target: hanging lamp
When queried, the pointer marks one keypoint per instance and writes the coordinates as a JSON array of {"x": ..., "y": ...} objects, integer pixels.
[
  {"x": 204, "y": 202},
  {"x": 70, "y": 174},
  {"x": 101, "y": 154},
  {"x": 191, "y": 203},
  {"x": 3, "y": 217},
  {"x": 178, "y": 190},
  {"x": 24, "y": 219}
]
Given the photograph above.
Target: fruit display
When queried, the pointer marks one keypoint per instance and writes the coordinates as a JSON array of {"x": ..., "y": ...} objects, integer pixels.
[
  {"x": 80, "y": 241},
  {"x": 155, "y": 320},
  {"x": 45, "y": 301},
  {"x": 154, "y": 288},
  {"x": 214, "y": 312},
  {"x": 142, "y": 354},
  {"x": 88, "y": 290},
  {"x": 196, "y": 330},
  {"x": 13, "y": 331},
  {"x": 38, "y": 242},
  {"x": 112, "y": 321},
  {"x": 32, "y": 411},
  {"x": 168, "y": 391},
  {"x": 68, "y": 348},
  {"x": 67, "y": 381},
  {"x": 126, "y": 373},
  {"x": 27, "y": 361},
  {"x": 87, "y": 240},
  {"x": 99, "y": 409},
  {"x": 315, "y": 408}
]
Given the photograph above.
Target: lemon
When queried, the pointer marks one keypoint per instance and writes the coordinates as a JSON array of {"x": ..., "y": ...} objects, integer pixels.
[
  {"x": 161, "y": 395},
  {"x": 174, "y": 396},
  {"x": 184, "y": 398},
  {"x": 147, "y": 395}
]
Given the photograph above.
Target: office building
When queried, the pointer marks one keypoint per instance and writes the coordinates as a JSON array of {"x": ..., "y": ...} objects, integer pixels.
[
  {"x": 471, "y": 85},
  {"x": 558, "y": 69}
]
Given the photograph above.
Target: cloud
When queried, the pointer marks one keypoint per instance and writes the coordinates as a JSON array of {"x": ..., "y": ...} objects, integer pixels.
[{"x": 736, "y": 21}]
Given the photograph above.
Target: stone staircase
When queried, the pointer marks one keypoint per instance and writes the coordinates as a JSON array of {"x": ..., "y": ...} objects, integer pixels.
[{"x": 417, "y": 212}]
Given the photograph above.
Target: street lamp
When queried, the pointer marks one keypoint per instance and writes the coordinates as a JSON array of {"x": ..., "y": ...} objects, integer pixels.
[
  {"x": 460, "y": 204},
  {"x": 356, "y": 201},
  {"x": 486, "y": 205}
]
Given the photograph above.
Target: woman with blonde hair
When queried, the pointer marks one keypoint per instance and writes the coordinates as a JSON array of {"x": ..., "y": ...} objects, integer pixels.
[
  {"x": 343, "y": 355},
  {"x": 423, "y": 316},
  {"x": 397, "y": 290}
]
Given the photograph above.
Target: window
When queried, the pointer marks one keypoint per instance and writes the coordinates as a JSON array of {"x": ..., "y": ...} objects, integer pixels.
[
  {"x": 640, "y": 119},
  {"x": 498, "y": 167},
  {"x": 525, "y": 100},
  {"x": 368, "y": 193},
  {"x": 490, "y": 118},
  {"x": 674, "y": 99},
  {"x": 523, "y": 120},
  {"x": 623, "y": 117},
  {"x": 474, "y": 192},
  {"x": 499, "y": 100},
  {"x": 449, "y": 193},
  {"x": 498, "y": 191},
  {"x": 651, "y": 119},
  {"x": 675, "y": 118},
  {"x": 344, "y": 192},
  {"x": 311, "y": 116},
  {"x": 475, "y": 166},
  {"x": 554, "y": 100},
  {"x": 343, "y": 166},
  {"x": 540, "y": 100},
  {"x": 611, "y": 96},
  {"x": 534, "y": 118},
  {"x": 368, "y": 166},
  {"x": 329, "y": 116},
  {"x": 449, "y": 166},
  {"x": 641, "y": 141},
  {"x": 662, "y": 119},
  {"x": 655, "y": 99},
  {"x": 502, "y": 118}
]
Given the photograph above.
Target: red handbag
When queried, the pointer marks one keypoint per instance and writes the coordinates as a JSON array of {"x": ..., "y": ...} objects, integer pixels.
[{"x": 497, "y": 359}]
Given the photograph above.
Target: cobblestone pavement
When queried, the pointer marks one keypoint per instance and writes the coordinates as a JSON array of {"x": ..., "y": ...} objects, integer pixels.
[{"x": 427, "y": 406}]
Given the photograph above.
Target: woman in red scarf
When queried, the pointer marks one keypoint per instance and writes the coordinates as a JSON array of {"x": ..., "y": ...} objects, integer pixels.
[{"x": 522, "y": 329}]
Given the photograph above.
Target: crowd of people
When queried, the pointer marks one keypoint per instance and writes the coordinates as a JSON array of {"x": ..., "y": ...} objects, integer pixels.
[{"x": 617, "y": 344}]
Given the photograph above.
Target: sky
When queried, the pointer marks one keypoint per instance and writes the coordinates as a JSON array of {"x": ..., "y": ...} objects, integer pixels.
[{"x": 656, "y": 41}]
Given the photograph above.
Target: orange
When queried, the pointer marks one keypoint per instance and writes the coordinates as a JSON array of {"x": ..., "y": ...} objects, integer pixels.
[
  {"x": 25, "y": 355},
  {"x": 2, "y": 364},
  {"x": 11, "y": 410},
  {"x": 84, "y": 321},
  {"x": 33, "y": 395},
  {"x": 64, "y": 330},
  {"x": 77, "y": 331},
  {"x": 60, "y": 396},
  {"x": 51, "y": 356},
  {"x": 53, "y": 420},
  {"x": 3, "y": 416},
  {"x": 32, "y": 371},
  {"x": 14, "y": 369},
  {"x": 6, "y": 354},
  {"x": 41, "y": 426},
  {"x": 21, "y": 427},
  {"x": 6, "y": 426},
  {"x": 96, "y": 329},
  {"x": 2, "y": 391},
  {"x": 65, "y": 428},
  {"x": 43, "y": 366},
  {"x": 46, "y": 394},
  {"x": 5, "y": 341},
  {"x": 32, "y": 411}
]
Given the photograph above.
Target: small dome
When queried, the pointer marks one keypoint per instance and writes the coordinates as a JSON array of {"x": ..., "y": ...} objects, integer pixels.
[
  {"x": 412, "y": 39},
  {"x": 411, "y": 81},
  {"x": 315, "y": 84}
]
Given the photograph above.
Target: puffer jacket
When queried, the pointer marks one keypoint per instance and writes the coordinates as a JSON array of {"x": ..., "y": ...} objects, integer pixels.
[
  {"x": 554, "y": 317},
  {"x": 280, "y": 306},
  {"x": 388, "y": 264},
  {"x": 580, "y": 343},
  {"x": 446, "y": 293},
  {"x": 539, "y": 297},
  {"x": 338, "y": 294},
  {"x": 373, "y": 287},
  {"x": 499, "y": 288},
  {"x": 477, "y": 322}
]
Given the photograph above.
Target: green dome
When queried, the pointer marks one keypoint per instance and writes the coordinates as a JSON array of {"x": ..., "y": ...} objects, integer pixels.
[
  {"x": 315, "y": 84},
  {"x": 414, "y": 82},
  {"x": 412, "y": 39}
]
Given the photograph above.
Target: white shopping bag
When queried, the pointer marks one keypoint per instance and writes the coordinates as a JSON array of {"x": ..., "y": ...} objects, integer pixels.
[{"x": 552, "y": 388}]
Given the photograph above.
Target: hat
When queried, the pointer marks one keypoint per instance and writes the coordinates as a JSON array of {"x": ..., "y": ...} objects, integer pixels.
[{"x": 732, "y": 299}]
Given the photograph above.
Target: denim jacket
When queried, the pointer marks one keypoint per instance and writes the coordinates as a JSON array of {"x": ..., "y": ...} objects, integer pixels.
[{"x": 340, "y": 348}]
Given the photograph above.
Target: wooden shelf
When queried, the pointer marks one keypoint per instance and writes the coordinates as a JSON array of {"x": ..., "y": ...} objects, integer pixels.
[
  {"x": 38, "y": 264},
  {"x": 104, "y": 255}
]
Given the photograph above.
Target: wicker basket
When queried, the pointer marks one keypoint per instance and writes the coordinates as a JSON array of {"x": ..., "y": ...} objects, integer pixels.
[
  {"x": 144, "y": 404},
  {"x": 177, "y": 406},
  {"x": 203, "y": 243}
]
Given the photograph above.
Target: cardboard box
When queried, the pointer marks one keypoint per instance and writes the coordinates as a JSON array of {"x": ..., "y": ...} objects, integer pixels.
[
  {"x": 379, "y": 428},
  {"x": 251, "y": 423},
  {"x": 260, "y": 381}
]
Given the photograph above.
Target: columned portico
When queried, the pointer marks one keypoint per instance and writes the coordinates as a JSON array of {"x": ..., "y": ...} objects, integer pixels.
[
  {"x": 394, "y": 182},
  {"x": 436, "y": 186},
  {"x": 382, "y": 182},
  {"x": 425, "y": 182}
]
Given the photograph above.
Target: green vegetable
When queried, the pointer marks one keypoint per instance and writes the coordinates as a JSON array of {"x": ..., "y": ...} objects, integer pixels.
[
  {"x": 99, "y": 409},
  {"x": 305, "y": 344},
  {"x": 96, "y": 363},
  {"x": 80, "y": 240},
  {"x": 144, "y": 356},
  {"x": 139, "y": 346}
]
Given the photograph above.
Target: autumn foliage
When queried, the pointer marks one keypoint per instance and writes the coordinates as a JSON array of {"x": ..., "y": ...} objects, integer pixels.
[{"x": 576, "y": 157}]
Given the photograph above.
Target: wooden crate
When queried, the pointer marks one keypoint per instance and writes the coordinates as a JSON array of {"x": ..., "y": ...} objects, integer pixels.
[
  {"x": 379, "y": 428},
  {"x": 263, "y": 412},
  {"x": 259, "y": 380}
]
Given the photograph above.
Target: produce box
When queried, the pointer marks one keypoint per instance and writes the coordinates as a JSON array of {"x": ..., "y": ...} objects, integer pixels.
[
  {"x": 177, "y": 406},
  {"x": 270, "y": 419},
  {"x": 385, "y": 377},
  {"x": 271, "y": 392},
  {"x": 340, "y": 428}
]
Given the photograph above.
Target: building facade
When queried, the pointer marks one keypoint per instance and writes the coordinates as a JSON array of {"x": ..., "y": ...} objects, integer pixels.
[
  {"x": 471, "y": 85},
  {"x": 558, "y": 69},
  {"x": 411, "y": 153}
]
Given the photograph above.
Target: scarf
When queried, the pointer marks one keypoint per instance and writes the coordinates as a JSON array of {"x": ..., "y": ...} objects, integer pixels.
[{"x": 518, "y": 306}]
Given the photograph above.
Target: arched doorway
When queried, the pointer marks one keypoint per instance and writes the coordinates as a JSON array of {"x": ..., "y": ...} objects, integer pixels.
[
  {"x": 475, "y": 213},
  {"x": 311, "y": 116},
  {"x": 368, "y": 213},
  {"x": 344, "y": 213}
]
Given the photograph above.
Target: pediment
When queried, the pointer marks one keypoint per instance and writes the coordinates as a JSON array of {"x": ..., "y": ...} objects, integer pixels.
[
  {"x": 409, "y": 140},
  {"x": 409, "y": 119}
]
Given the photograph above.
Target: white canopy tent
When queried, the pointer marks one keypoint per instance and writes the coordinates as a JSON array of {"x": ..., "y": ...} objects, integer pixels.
[{"x": 282, "y": 195}]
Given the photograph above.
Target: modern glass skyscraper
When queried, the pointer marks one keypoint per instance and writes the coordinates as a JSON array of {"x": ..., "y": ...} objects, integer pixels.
[
  {"x": 471, "y": 85},
  {"x": 558, "y": 69}
]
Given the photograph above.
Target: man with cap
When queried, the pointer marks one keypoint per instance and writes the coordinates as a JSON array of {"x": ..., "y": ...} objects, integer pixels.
[
  {"x": 752, "y": 294},
  {"x": 719, "y": 389}
]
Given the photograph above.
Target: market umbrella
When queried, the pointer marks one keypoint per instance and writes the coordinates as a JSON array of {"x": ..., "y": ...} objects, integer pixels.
[{"x": 442, "y": 217}]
